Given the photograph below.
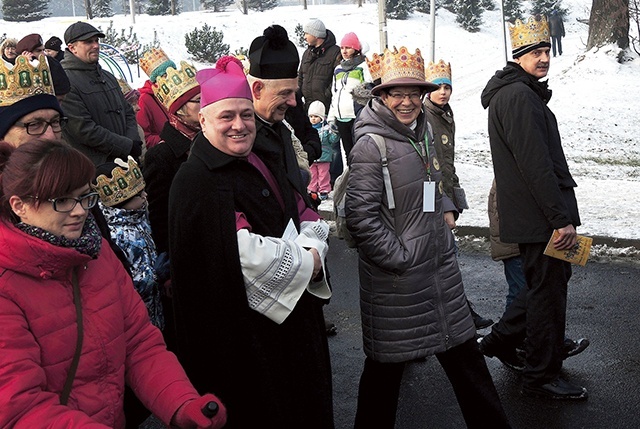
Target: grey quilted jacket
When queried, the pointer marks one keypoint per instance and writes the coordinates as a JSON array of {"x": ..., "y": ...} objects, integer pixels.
[{"x": 412, "y": 300}]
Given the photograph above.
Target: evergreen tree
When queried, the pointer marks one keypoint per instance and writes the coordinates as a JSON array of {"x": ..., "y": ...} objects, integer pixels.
[
  {"x": 545, "y": 7},
  {"x": 101, "y": 8},
  {"x": 400, "y": 9},
  {"x": 513, "y": 10},
  {"x": 261, "y": 5},
  {"x": 160, "y": 7},
  {"x": 469, "y": 14},
  {"x": 487, "y": 4},
  {"x": 205, "y": 44},
  {"x": 449, "y": 5},
  {"x": 215, "y": 5},
  {"x": 25, "y": 10}
]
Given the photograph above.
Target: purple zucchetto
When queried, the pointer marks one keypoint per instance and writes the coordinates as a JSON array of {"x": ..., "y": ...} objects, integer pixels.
[{"x": 227, "y": 80}]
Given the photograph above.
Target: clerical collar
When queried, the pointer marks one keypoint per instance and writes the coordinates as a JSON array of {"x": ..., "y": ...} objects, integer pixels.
[{"x": 264, "y": 120}]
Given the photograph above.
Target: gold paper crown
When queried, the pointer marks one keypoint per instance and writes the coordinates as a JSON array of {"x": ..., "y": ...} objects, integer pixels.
[
  {"x": 530, "y": 32},
  {"x": 439, "y": 72},
  {"x": 397, "y": 64},
  {"x": 24, "y": 79},
  {"x": 169, "y": 89},
  {"x": 375, "y": 66},
  {"x": 245, "y": 62},
  {"x": 151, "y": 60},
  {"x": 124, "y": 86},
  {"x": 126, "y": 181}
]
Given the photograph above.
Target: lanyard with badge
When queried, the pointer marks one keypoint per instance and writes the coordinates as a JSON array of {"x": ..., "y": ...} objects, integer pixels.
[{"x": 428, "y": 187}]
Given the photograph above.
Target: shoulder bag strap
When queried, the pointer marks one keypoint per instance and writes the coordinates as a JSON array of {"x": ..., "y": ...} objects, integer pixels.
[
  {"x": 382, "y": 147},
  {"x": 66, "y": 391}
]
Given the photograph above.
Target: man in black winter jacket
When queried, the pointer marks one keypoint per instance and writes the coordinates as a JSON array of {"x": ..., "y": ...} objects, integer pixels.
[
  {"x": 536, "y": 197},
  {"x": 102, "y": 124}
]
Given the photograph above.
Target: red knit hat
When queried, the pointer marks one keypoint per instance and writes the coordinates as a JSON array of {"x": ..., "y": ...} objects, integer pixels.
[{"x": 350, "y": 40}]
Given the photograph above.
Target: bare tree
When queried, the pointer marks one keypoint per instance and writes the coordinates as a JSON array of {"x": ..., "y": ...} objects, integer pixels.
[
  {"x": 87, "y": 8},
  {"x": 634, "y": 13},
  {"x": 609, "y": 23}
]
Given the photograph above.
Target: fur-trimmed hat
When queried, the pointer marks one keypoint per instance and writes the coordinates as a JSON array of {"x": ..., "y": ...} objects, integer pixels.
[
  {"x": 316, "y": 28},
  {"x": 273, "y": 55}
]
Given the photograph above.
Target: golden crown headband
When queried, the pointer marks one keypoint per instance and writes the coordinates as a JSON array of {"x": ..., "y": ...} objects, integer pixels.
[
  {"x": 439, "y": 73},
  {"x": 177, "y": 82},
  {"x": 399, "y": 68},
  {"x": 24, "y": 79},
  {"x": 154, "y": 63},
  {"x": 126, "y": 181},
  {"x": 529, "y": 35}
]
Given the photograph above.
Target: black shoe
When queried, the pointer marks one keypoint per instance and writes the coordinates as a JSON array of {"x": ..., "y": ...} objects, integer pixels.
[
  {"x": 574, "y": 347},
  {"x": 509, "y": 358},
  {"x": 479, "y": 321},
  {"x": 331, "y": 329},
  {"x": 556, "y": 389}
]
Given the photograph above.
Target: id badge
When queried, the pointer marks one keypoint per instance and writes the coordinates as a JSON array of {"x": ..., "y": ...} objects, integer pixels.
[{"x": 429, "y": 197}]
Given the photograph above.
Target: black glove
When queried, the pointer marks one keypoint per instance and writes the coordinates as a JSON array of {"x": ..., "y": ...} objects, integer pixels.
[{"x": 136, "y": 149}]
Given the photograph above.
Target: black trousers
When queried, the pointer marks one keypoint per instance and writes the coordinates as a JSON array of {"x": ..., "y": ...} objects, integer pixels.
[
  {"x": 556, "y": 41},
  {"x": 346, "y": 137},
  {"x": 467, "y": 371},
  {"x": 537, "y": 315}
]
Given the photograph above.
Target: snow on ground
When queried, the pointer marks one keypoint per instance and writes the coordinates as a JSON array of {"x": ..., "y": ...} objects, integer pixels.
[{"x": 595, "y": 99}]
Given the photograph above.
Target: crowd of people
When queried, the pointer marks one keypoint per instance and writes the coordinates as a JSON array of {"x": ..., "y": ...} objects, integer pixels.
[{"x": 162, "y": 253}]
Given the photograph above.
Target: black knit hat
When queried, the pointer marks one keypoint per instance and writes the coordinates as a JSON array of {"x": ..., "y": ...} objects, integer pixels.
[
  {"x": 9, "y": 115},
  {"x": 54, "y": 43},
  {"x": 273, "y": 55}
]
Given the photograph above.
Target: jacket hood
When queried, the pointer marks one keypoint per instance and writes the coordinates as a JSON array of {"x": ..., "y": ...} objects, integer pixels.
[
  {"x": 513, "y": 73},
  {"x": 34, "y": 257},
  {"x": 147, "y": 88},
  {"x": 376, "y": 118},
  {"x": 329, "y": 41},
  {"x": 71, "y": 62}
]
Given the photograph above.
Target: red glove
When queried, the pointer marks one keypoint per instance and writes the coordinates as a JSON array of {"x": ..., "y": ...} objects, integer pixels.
[{"x": 190, "y": 415}]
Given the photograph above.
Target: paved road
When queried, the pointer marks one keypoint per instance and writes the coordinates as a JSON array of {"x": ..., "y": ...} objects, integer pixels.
[{"x": 603, "y": 305}]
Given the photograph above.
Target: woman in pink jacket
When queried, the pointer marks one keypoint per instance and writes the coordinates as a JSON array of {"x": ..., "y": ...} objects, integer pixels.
[{"x": 73, "y": 330}]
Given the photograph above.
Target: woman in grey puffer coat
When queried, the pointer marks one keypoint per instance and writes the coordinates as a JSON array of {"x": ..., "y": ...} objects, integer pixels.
[{"x": 411, "y": 295}]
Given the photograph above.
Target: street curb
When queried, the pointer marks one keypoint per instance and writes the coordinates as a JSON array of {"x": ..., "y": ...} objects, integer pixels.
[{"x": 483, "y": 231}]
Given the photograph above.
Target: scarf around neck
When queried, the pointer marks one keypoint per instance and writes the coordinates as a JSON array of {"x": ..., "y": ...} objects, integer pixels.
[{"x": 88, "y": 243}]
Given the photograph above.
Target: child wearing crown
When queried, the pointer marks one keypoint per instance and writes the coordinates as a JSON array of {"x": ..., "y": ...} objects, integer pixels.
[{"x": 123, "y": 201}]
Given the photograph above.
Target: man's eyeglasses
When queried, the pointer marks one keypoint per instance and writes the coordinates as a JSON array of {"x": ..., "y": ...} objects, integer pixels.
[
  {"x": 399, "y": 96},
  {"x": 66, "y": 204},
  {"x": 38, "y": 128},
  {"x": 194, "y": 101}
]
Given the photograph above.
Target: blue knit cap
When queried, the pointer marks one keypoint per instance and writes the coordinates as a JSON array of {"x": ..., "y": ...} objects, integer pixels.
[{"x": 161, "y": 69}]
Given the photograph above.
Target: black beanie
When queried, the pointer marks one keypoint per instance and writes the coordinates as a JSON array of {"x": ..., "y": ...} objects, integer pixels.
[
  {"x": 54, "y": 43},
  {"x": 9, "y": 115}
]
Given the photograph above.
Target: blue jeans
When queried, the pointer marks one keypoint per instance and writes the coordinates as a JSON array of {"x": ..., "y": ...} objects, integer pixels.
[{"x": 515, "y": 277}]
